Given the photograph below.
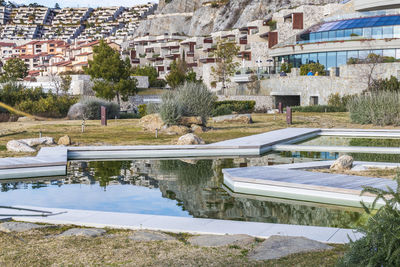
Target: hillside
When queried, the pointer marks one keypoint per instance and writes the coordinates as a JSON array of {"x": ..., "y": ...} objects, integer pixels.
[{"x": 201, "y": 17}]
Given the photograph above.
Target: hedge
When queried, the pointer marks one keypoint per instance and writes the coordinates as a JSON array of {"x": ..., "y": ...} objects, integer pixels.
[
  {"x": 319, "y": 109},
  {"x": 227, "y": 107}
]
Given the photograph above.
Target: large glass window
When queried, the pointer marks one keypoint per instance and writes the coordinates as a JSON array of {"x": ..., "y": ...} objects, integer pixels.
[
  {"x": 325, "y": 36},
  {"x": 339, "y": 34},
  {"x": 397, "y": 53},
  {"x": 357, "y": 32},
  {"x": 313, "y": 58},
  {"x": 304, "y": 59},
  {"x": 312, "y": 37},
  {"x": 396, "y": 31},
  {"x": 318, "y": 37},
  {"x": 332, "y": 36},
  {"x": 352, "y": 54},
  {"x": 331, "y": 60},
  {"x": 389, "y": 53},
  {"x": 367, "y": 33},
  {"x": 297, "y": 59},
  {"x": 377, "y": 32},
  {"x": 341, "y": 58},
  {"x": 347, "y": 34},
  {"x": 388, "y": 32},
  {"x": 322, "y": 59},
  {"x": 377, "y": 52},
  {"x": 363, "y": 54}
]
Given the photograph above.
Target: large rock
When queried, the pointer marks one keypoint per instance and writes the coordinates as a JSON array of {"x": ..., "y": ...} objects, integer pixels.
[
  {"x": 150, "y": 236},
  {"x": 343, "y": 163},
  {"x": 64, "y": 141},
  {"x": 91, "y": 232},
  {"x": 277, "y": 247},
  {"x": 234, "y": 118},
  {"x": 220, "y": 240},
  {"x": 175, "y": 130},
  {"x": 190, "y": 139},
  {"x": 77, "y": 112},
  {"x": 18, "y": 227},
  {"x": 25, "y": 119},
  {"x": 16, "y": 146},
  {"x": 198, "y": 129},
  {"x": 38, "y": 141},
  {"x": 188, "y": 121},
  {"x": 151, "y": 122}
]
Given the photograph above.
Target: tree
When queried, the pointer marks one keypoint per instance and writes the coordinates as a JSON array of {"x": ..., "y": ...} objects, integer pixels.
[
  {"x": 150, "y": 72},
  {"x": 225, "y": 67},
  {"x": 177, "y": 74},
  {"x": 15, "y": 69},
  {"x": 111, "y": 74},
  {"x": 57, "y": 6}
]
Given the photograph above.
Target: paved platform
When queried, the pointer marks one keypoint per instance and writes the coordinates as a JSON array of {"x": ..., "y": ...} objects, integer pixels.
[
  {"x": 189, "y": 225},
  {"x": 298, "y": 184}
]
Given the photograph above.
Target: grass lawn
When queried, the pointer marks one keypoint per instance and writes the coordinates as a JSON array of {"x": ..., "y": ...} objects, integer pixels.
[
  {"x": 128, "y": 132},
  {"x": 42, "y": 248}
]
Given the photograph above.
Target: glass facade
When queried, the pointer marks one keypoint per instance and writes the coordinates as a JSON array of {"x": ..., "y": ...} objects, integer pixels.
[
  {"x": 366, "y": 28},
  {"x": 332, "y": 59}
]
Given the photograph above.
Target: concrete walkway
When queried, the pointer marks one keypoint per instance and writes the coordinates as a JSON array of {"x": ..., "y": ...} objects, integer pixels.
[{"x": 189, "y": 225}]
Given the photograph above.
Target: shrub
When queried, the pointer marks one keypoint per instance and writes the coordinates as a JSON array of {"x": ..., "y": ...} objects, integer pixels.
[
  {"x": 125, "y": 116},
  {"x": 142, "y": 110},
  {"x": 153, "y": 108},
  {"x": 378, "y": 108},
  {"x": 287, "y": 67},
  {"x": 222, "y": 110},
  {"x": 340, "y": 102},
  {"x": 318, "y": 108},
  {"x": 380, "y": 245},
  {"x": 223, "y": 107},
  {"x": 93, "y": 108},
  {"x": 14, "y": 93},
  {"x": 314, "y": 67},
  {"x": 391, "y": 84},
  {"x": 170, "y": 110}
]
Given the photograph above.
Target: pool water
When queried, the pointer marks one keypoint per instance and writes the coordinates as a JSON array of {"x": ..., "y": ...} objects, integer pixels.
[
  {"x": 351, "y": 141},
  {"x": 184, "y": 188}
]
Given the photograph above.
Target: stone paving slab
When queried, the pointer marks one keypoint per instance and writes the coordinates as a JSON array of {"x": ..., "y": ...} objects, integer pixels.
[{"x": 100, "y": 219}]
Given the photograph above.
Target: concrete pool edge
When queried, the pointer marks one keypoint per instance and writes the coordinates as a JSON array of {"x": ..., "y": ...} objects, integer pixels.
[{"x": 116, "y": 220}]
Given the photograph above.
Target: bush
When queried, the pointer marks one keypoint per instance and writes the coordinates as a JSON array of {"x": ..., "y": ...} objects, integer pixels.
[
  {"x": 340, "y": 102},
  {"x": 314, "y": 67},
  {"x": 153, "y": 108},
  {"x": 142, "y": 110},
  {"x": 318, "y": 108},
  {"x": 391, "y": 84},
  {"x": 380, "y": 245},
  {"x": 14, "y": 93},
  {"x": 287, "y": 67},
  {"x": 378, "y": 108},
  {"x": 223, "y": 107},
  {"x": 126, "y": 116},
  {"x": 170, "y": 110},
  {"x": 93, "y": 108}
]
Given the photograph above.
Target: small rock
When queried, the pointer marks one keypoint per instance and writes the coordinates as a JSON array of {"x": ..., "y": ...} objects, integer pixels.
[
  {"x": 190, "y": 139},
  {"x": 151, "y": 122},
  {"x": 18, "y": 227},
  {"x": 197, "y": 129},
  {"x": 16, "y": 146},
  {"x": 343, "y": 163},
  {"x": 64, "y": 141},
  {"x": 234, "y": 118},
  {"x": 150, "y": 236},
  {"x": 175, "y": 130},
  {"x": 25, "y": 119},
  {"x": 188, "y": 121},
  {"x": 220, "y": 240},
  {"x": 277, "y": 247},
  {"x": 91, "y": 232}
]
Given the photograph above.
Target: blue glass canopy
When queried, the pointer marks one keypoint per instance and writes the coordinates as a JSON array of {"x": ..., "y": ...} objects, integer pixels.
[{"x": 358, "y": 23}]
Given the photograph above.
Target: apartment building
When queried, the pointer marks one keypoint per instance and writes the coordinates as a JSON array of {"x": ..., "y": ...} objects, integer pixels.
[
  {"x": 4, "y": 15},
  {"x": 30, "y": 15}
]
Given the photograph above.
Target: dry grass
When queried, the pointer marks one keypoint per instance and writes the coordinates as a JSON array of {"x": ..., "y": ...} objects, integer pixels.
[
  {"x": 388, "y": 173},
  {"x": 41, "y": 248},
  {"x": 128, "y": 132}
]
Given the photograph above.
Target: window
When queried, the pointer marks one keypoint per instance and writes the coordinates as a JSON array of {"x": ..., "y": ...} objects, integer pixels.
[
  {"x": 388, "y": 32},
  {"x": 389, "y": 53},
  {"x": 318, "y": 37},
  {"x": 304, "y": 59},
  {"x": 314, "y": 100},
  {"x": 313, "y": 58},
  {"x": 396, "y": 31},
  {"x": 341, "y": 58},
  {"x": 347, "y": 34},
  {"x": 297, "y": 61},
  {"x": 312, "y": 37},
  {"x": 325, "y": 36},
  {"x": 322, "y": 59},
  {"x": 363, "y": 54},
  {"x": 367, "y": 33},
  {"x": 340, "y": 34},
  {"x": 352, "y": 54},
  {"x": 331, "y": 60},
  {"x": 377, "y": 32},
  {"x": 332, "y": 36}
]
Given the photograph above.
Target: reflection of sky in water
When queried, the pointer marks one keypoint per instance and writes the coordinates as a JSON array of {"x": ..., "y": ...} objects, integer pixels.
[{"x": 117, "y": 198}]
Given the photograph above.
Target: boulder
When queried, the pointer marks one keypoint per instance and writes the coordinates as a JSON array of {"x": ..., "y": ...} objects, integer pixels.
[
  {"x": 190, "y": 139},
  {"x": 175, "y": 130},
  {"x": 77, "y": 112},
  {"x": 25, "y": 119},
  {"x": 198, "y": 129},
  {"x": 150, "y": 236},
  {"x": 220, "y": 240},
  {"x": 64, "y": 141},
  {"x": 38, "y": 141},
  {"x": 234, "y": 118},
  {"x": 188, "y": 121},
  {"x": 151, "y": 122},
  {"x": 276, "y": 247},
  {"x": 18, "y": 227},
  {"x": 343, "y": 163},
  {"x": 91, "y": 232},
  {"x": 16, "y": 146}
]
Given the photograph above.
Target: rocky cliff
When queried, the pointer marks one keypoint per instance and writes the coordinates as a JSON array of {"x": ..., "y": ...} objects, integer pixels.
[{"x": 197, "y": 17}]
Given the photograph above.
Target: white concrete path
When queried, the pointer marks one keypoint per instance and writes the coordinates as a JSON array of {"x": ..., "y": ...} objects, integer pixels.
[{"x": 189, "y": 225}]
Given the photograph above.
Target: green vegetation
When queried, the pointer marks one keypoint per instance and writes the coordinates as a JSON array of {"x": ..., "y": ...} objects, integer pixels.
[
  {"x": 314, "y": 67},
  {"x": 188, "y": 174},
  {"x": 111, "y": 75},
  {"x": 150, "y": 72},
  {"x": 142, "y": 110},
  {"x": 378, "y": 108},
  {"x": 318, "y": 108},
  {"x": 286, "y": 67},
  {"x": 92, "y": 108},
  {"x": 14, "y": 69},
  {"x": 381, "y": 244},
  {"x": 228, "y": 107},
  {"x": 180, "y": 73},
  {"x": 392, "y": 84}
]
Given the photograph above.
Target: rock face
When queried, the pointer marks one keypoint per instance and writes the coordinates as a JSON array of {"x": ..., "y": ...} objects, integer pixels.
[
  {"x": 190, "y": 139},
  {"x": 92, "y": 232},
  {"x": 277, "y": 247},
  {"x": 64, "y": 141},
  {"x": 150, "y": 236},
  {"x": 235, "y": 118},
  {"x": 220, "y": 240},
  {"x": 26, "y": 145},
  {"x": 343, "y": 163},
  {"x": 196, "y": 17},
  {"x": 151, "y": 122},
  {"x": 18, "y": 227}
]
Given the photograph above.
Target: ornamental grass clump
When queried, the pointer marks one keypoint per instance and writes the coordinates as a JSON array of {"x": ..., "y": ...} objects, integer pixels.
[
  {"x": 380, "y": 245},
  {"x": 378, "y": 108}
]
